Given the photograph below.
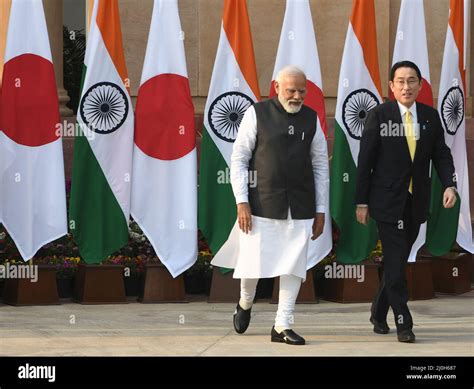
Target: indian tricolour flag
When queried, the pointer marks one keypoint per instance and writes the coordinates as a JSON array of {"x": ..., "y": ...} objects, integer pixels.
[
  {"x": 298, "y": 47},
  {"x": 100, "y": 192},
  {"x": 447, "y": 225},
  {"x": 32, "y": 186},
  {"x": 359, "y": 91},
  {"x": 164, "y": 180},
  {"x": 233, "y": 89},
  {"x": 410, "y": 45}
]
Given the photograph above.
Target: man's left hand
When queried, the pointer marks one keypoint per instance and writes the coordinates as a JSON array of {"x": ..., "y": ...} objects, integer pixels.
[
  {"x": 449, "y": 198},
  {"x": 318, "y": 226}
]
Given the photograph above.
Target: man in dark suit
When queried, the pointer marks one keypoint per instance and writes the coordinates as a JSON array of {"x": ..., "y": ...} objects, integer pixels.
[{"x": 399, "y": 141}]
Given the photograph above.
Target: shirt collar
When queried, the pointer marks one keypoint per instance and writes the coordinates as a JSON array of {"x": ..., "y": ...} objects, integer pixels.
[{"x": 404, "y": 109}]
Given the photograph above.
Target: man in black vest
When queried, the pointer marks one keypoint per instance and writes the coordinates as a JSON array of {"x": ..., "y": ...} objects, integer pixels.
[
  {"x": 282, "y": 208},
  {"x": 399, "y": 141}
]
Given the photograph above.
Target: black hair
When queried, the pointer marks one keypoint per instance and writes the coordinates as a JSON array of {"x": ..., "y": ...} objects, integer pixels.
[{"x": 404, "y": 64}]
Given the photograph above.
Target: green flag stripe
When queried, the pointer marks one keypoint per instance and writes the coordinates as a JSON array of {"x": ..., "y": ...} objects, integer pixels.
[
  {"x": 442, "y": 226},
  {"x": 217, "y": 212},
  {"x": 356, "y": 241},
  {"x": 99, "y": 224}
]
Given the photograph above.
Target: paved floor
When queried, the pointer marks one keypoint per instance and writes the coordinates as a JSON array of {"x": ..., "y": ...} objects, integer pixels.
[{"x": 443, "y": 326}]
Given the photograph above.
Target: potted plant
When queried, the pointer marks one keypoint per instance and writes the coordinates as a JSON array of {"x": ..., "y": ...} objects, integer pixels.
[
  {"x": 349, "y": 283},
  {"x": 65, "y": 272},
  {"x": 133, "y": 271},
  {"x": 197, "y": 279},
  {"x": 66, "y": 268}
]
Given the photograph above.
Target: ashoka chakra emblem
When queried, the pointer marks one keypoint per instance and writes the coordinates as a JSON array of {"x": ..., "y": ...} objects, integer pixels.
[
  {"x": 226, "y": 113},
  {"x": 452, "y": 109},
  {"x": 104, "y": 107},
  {"x": 354, "y": 111}
]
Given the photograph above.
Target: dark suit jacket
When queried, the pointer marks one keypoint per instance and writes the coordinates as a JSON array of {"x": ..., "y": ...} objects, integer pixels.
[{"x": 385, "y": 167}]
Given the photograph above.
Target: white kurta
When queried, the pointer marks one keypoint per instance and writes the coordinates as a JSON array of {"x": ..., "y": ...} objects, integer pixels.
[{"x": 274, "y": 247}]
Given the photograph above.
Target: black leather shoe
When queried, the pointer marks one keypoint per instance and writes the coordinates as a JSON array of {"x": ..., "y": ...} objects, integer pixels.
[
  {"x": 241, "y": 319},
  {"x": 380, "y": 327},
  {"x": 287, "y": 336},
  {"x": 406, "y": 336}
]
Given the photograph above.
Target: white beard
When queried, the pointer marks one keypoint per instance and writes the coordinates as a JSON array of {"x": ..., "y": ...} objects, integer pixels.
[{"x": 290, "y": 108}]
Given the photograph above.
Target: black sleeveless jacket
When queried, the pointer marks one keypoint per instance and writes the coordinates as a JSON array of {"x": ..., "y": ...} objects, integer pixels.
[{"x": 281, "y": 161}]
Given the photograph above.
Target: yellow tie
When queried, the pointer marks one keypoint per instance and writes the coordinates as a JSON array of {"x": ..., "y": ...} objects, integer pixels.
[{"x": 410, "y": 140}]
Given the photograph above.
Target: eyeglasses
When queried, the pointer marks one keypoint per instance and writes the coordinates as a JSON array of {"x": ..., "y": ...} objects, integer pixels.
[{"x": 401, "y": 83}]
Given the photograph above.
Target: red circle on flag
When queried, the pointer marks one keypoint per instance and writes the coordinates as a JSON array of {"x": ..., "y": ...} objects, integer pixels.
[
  {"x": 30, "y": 110},
  {"x": 164, "y": 117}
]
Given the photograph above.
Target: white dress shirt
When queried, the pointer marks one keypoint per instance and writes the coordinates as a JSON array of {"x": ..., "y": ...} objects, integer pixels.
[{"x": 414, "y": 117}]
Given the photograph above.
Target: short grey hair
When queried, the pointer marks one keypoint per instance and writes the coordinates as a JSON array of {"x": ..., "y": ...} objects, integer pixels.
[{"x": 289, "y": 70}]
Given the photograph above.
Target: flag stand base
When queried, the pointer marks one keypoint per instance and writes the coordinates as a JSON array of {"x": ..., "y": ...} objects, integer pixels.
[
  {"x": 419, "y": 276},
  {"x": 306, "y": 294},
  {"x": 99, "y": 284},
  {"x": 452, "y": 273},
  {"x": 160, "y": 287},
  {"x": 350, "y": 290},
  {"x": 22, "y": 291},
  {"x": 224, "y": 288}
]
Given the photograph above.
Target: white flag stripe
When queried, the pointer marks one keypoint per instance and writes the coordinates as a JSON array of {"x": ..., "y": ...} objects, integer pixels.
[
  {"x": 164, "y": 54},
  {"x": 164, "y": 204},
  {"x": 33, "y": 195},
  {"x": 26, "y": 36}
]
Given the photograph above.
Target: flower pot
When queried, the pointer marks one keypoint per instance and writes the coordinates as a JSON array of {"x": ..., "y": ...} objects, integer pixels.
[
  {"x": 264, "y": 288},
  {"x": 21, "y": 291},
  {"x": 224, "y": 288},
  {"x": 319, "y": 279},
  {"x": 452, "y": 273},
  {"x": 419, "y": 277},
  {"x": 342, "y": 288},
  {"x": 306, "y": 294},
  {"x": 132, "y": 285},
  {"x": 197, "y": 283},
  {"x": 160, "y": 287},
  {"x": 99, "y": 284},
  {"x": 65, "y": 287}
]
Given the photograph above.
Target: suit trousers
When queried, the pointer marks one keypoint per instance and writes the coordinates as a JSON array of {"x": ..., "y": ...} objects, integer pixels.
[{"x": 397, "y": 240}]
